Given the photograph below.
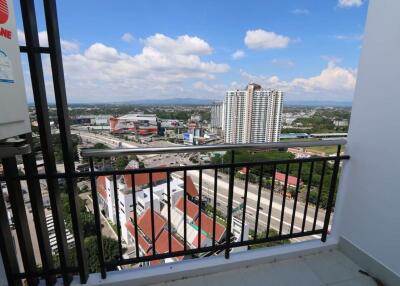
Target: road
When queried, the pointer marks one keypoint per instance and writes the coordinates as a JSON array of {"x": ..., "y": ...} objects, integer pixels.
[{"x": 251, "y": 207}]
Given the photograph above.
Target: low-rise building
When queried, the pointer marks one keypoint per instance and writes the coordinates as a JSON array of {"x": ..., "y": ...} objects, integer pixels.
[
  {"x": 140, "y": 124},
  {"x": 280, "y": 178},
  {"x": 141, "y": 186}
]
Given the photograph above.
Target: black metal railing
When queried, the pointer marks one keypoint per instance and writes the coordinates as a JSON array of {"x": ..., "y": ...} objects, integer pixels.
[{"x": 274, "y": 209}]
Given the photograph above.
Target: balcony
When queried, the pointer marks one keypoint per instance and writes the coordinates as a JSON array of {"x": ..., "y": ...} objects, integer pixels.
[
  {"x": 174, "y": 214},
  {"x": 181, "y": 240}
]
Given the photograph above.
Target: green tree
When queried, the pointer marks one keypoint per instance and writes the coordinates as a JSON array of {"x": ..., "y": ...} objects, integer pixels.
[
  {"x": 272, "y": 233},
  {"x": 121, "y": 162},
  {"x": 100, "y": 146},
  {"x": 111, "y": 251}
]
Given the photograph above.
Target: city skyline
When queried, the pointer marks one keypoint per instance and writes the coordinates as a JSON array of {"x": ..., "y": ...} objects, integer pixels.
[{"x": 301, "y": 49}]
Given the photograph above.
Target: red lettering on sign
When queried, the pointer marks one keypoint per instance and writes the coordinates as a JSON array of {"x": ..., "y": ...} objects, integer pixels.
[{"x": 5, "y": 33}]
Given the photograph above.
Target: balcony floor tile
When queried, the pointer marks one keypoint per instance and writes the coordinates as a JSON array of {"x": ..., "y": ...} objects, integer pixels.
[
  {"x": 332, "y": 266},
  {"x": 326, "y": 268}
]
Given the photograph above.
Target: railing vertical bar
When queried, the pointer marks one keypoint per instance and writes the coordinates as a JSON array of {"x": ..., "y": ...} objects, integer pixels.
[
  {"x": 53, "y": 35},
  {"x": 229, "y": 212},
  {"x": 303, "y": 226},
  {"x": 7, "y": 248},
  {"x": 246, "y": 186},
  {"x": 284, "y": 199},
  {"x": 97, "y": 220},
  {"x": 184, "y": 209},
  {"x": 20, "y": 219},
  {"x": 332, "y": 190},
  {"x": 271, "y": 199},
  {"x": 258, "y": 201},
  {"x": 153, "y": 236},
  {"x": 117, "y": 215},
  {"x": 215, "y": 204},
  {"x": 200, "y": 202},
  {"x": 36, "y": 199},
  {"x": 321, "y": 185},
  {"x": 169, "y": 211},
  {"x": 135, "y": 215},
  {"x": 42, "y": 114},
  {"x": 296, "y": 196}
]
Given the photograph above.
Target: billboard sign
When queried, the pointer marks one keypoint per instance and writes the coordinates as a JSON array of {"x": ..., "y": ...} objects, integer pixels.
[{"x": 14, "y": 117}]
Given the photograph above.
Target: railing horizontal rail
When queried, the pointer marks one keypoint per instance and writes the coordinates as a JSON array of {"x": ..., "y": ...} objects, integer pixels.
[
  {"x": 177, "y": 168},
  {"x": 140, "y": 259},
  {"x": 206, "y": 148},
  {"x": 147, "y": 258}
]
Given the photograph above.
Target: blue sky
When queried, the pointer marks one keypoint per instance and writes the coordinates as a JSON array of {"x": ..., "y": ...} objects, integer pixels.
[{"x": 127, "y": 50}]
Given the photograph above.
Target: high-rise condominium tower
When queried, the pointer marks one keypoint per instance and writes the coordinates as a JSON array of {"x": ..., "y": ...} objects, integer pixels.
[
  {"x": 253, "y": 115},
  {"x": 216, "y": 115}
]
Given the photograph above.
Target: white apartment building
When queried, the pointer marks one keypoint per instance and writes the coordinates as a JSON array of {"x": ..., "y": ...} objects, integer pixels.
[
  {"x": 253, "y": 115},
  {"x": 106, "y": 195},
  {"x": 216, "y": 115}
]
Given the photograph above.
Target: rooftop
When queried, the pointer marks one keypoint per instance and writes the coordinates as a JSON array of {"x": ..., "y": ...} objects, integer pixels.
[
  {"x": 292, "y": 180},
  {"x": 101, "y": 186},
  {"x": 191, "y": 189},
  {"x": 143, "y": 179},
  {"x": 144, "y": 223},
  {"x": 207, "y": 226},
  {"x": 192, "y": 210}
]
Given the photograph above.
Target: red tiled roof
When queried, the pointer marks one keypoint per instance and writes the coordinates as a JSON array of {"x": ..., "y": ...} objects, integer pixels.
[
  {"x": 195, "y": 241},
  {"x": 162, "y": 244},
  {"x": 191, "y": 189},
  {"x": 144, "y": 223},
  {"x": 144, "y": 179},
  {"x": 207, "y": 226},
  {"x": 155, "y": 262},
  {"x": 292, "y": 180},
  {"x": 142, "y": 241},
  {"x": 243, "y": 170},
  {"x": 192, "y": 210},
  {"x": 101, "y": 186}
]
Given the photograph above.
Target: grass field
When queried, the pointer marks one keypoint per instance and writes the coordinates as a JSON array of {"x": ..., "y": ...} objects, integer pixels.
[{"x": 326, "y": 149}]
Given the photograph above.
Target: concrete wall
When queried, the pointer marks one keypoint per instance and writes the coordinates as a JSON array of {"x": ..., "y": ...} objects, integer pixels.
[{"x": 368, "y": 206}]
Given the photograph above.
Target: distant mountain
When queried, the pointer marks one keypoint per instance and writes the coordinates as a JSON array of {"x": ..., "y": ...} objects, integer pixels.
[
  {"x": 201, "y": 101},
  {"x": 172, "y": 101},
  {"x": 317, "y": 103}
]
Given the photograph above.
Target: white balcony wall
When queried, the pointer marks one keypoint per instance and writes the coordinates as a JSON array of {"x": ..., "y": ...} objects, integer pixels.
[{"x": 367, "y": 213}]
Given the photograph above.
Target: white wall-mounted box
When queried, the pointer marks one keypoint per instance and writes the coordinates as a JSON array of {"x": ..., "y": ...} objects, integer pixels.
[{"x": 14, "y": 116}]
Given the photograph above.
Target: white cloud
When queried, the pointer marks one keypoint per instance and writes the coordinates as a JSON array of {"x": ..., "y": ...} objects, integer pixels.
[
  {"x": 349, "y": 3},
  {"x": 284, "y": 63},
  {"x": 333, "y": 83},
  {"x": 238, "y": 55},
  {"x": 21, "y": 37},
  {"x": 166, "y": 67},
  {"x": 128, "y": 37},
  {"x": 183, "y": 45},
  {"x": 300, "y": 11},
  {"x": 66, "y": 46},
  {"x": 100, "y": 52},
  {"x": 261, "y": 39},
  {"x": 332, "y": 77},
  {"x": 217, "y": 89},
  {"x": 69, "y": 47}
]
